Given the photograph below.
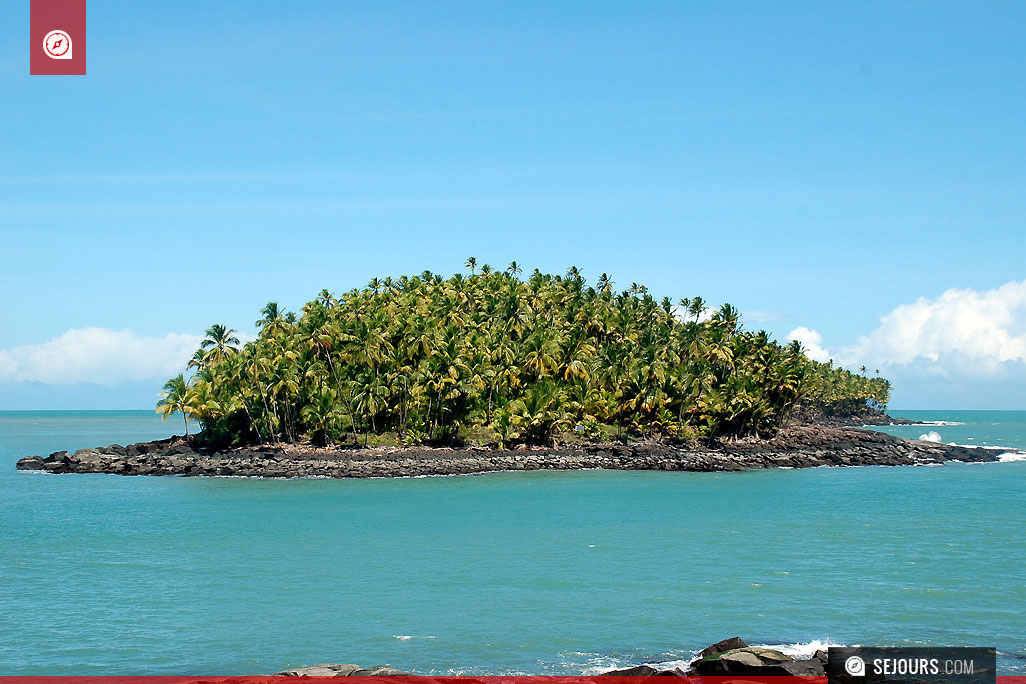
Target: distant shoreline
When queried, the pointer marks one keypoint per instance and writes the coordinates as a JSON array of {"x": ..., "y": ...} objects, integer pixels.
[{"x": 804, "y": 446}]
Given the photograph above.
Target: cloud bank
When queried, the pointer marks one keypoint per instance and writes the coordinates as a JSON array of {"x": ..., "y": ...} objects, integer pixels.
[
  {"x": 98, "y": 355},
  {"x": 965, "y": 336}
]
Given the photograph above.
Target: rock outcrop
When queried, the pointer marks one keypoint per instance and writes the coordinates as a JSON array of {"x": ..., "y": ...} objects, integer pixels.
[
  {"x": 348, "y": 670},
  {"x": 722, "y": 647},
  {"x": 733, "y": 657},
  {"x": 758, "y": 662},
  {"x": 326, "y": 670},
  {"x": 728, "y": 658},
  {"x": 799, "y": 447},
  {"x": 644, "y": 671}
]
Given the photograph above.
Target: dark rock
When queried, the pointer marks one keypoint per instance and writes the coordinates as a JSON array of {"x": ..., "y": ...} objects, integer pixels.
[
  {"x": 90, "y": 457},
  {"x": 801, "y": 447},
  {"x": 813, "y": 667},
  {"x": 326, "y": 670},
  {"x": 636, "y": 671},
  {"x": 722, "y": 646},
  {"x": 31, "y": 463},
  {"x": 379, "y": 671},
  {"x": 748, "y": 661}
]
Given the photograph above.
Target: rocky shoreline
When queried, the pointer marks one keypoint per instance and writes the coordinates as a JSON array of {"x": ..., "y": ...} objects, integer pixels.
[
  {"x": 804, "y": 446},
  {"x": 730, "y": 657}
]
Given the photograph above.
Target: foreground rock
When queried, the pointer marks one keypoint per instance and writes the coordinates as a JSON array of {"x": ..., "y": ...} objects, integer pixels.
[
  {"x": 645, "y": 671},
  {"x": 349, "y": 670},
  {"x": 728, "y": 658},
  {"x": 733, "y": 657},
  {"x": 799, "y": 447},
  {"x": 722, "y": 647},
  {"x": 759, "y": 662}
]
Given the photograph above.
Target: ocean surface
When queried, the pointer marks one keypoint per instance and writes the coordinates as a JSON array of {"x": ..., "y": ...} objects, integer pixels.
[{"x": 541, "y": 573}]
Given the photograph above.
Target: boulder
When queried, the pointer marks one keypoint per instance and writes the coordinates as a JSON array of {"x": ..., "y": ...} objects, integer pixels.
[
  {"x": 88, "y": 456},
  {"x": 722, "y": 646},
  {"x": 816, "y": 666},
  {"x": 379, "y": 671},
  {"x": 748, "y": 661},
  {"x": 325, "y": 670},
  {"x": 644, "y": 671},
  {"x": 30, "y": 463}
]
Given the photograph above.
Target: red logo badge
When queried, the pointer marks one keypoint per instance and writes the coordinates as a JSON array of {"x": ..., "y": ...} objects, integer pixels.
[{"x": 57, "y": 37}]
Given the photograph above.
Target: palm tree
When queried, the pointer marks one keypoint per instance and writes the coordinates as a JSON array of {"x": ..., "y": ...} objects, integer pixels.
[
  {"x": 219, "y": 343},
  {"x": 428, "y": 357},
  {"x": 697, "y": 307},
  {"x": 272, "y": 318},
  {"x": 174, "y": 398}
]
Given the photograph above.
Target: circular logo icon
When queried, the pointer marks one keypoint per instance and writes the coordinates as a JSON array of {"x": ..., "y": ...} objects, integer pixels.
[
  {"x": 57, "y": 45},
  {"x": 855, "y": 666}
]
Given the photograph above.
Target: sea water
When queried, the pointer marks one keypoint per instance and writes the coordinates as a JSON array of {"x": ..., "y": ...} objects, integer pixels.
[{"x": 542, "y": 573}]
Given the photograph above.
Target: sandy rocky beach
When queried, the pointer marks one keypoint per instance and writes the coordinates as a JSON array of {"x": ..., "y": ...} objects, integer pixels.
[{"x": 804, "y": 446}]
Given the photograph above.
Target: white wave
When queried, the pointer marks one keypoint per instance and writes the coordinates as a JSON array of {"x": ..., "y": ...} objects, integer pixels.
[
  {"x": 936, "y": 423},
  {"x": 407, "y": 637},
  {"x": 1010, "y": 456},
  {"x": 990, "y": 447},
  {"x": 682, "y": 664},
  {"x": 802, "y": 651},
  {"x": 600, "y": 664},
  {"x": 931, "y": 436}
]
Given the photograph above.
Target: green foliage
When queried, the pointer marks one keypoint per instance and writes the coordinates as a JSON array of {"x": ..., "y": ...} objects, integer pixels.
[{"x": 427, "y": 358}]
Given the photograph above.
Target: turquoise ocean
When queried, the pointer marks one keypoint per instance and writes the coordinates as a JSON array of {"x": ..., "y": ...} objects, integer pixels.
[{"x": 541, "y": 573}]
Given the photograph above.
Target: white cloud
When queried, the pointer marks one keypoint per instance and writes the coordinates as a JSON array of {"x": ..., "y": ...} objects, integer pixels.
[
  {"x": 968, "y": 330},
  {"x": 962, "y": 333},
  {"x": 98, "y": 355},
  {"x": 812, "y": 343}
]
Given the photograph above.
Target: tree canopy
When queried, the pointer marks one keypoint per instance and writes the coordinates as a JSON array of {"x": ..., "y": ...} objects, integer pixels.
[{"x": 429, "y": 358}]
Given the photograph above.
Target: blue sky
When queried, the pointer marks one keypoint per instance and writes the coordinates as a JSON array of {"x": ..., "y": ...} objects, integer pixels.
[{"x": 821, "y": 166}]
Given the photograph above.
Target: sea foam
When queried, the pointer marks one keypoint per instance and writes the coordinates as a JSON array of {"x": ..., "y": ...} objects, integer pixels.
[{"x": 802, "y": 650}]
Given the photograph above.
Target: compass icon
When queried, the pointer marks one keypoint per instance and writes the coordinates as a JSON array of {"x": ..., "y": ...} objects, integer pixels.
[{"x": 57, "y": 45}]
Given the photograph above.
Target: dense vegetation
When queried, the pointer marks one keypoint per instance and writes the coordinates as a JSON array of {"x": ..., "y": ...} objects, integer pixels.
[{"x": 428, "y": 359}]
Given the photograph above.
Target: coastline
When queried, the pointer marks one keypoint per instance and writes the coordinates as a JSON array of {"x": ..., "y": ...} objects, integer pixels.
[
  {"x": 802, "y": 446},
  {"x": 729, "y": 657}
]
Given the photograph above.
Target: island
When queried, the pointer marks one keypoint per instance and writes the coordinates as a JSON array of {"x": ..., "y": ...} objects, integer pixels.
[{"x": 487, "y": 371}]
